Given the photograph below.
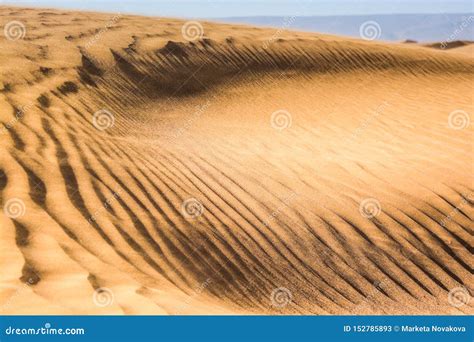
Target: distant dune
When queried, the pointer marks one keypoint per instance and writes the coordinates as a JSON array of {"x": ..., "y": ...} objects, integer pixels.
[
  {"x": 157, "y": 166},
  {"x": 449, "y": 45}
]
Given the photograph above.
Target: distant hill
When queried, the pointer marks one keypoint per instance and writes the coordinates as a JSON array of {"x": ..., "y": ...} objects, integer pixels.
[{"x": 396, "y": 27}]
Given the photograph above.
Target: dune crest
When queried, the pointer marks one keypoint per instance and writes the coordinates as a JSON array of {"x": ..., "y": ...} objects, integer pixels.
[{"x": 147, "y": 170}]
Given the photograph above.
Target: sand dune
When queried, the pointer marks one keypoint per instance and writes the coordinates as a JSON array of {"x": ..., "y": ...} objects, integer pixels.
[
  {"x": 146, "y": 169},
  {"x": 467, "y": 50},
  {"x": 448, "y": 45},
  {"x": 456, "y": 46}
]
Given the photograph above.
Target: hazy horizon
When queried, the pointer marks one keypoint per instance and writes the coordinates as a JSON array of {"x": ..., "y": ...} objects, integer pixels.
[
  {"x": 422, "y": 27},
  {"x": 255, "y": 8}
]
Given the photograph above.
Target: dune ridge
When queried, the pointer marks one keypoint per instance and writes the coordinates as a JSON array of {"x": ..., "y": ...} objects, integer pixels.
[{"x": 237, "y": 173}]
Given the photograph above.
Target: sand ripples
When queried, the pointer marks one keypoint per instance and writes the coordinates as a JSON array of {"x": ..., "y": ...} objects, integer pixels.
[{"x": 154, "y": 178}]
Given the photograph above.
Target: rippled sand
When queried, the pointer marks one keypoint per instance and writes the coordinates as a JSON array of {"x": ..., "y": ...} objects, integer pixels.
[{"x": 145, "y": 169}]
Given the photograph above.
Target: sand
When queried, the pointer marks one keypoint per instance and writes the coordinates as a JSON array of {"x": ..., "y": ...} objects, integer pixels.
[
  {"x": 466, "y": 49},
  {"x": 151, "y": 167}
]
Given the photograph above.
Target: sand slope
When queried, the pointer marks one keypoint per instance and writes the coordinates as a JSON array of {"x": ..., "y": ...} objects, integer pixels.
[
  {"x": 456, "y": 46},
  {"x": 248, "y": 171}
]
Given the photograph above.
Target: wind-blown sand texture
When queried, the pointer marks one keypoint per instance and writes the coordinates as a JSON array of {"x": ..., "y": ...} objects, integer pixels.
[{"x": 250, "y": 171}]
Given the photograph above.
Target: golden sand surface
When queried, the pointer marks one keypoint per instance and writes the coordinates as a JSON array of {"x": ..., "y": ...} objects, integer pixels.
[{"x": 158, "y": 166}]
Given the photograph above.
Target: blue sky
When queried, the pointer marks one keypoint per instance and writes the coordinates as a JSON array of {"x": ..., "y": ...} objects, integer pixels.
[{"x": 228, "y": 8}]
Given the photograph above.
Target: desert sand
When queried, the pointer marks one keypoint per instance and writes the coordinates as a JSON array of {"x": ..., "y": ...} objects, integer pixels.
[
  {"x": 456, "y": 46},
  {"x": 159, "y": 166}
]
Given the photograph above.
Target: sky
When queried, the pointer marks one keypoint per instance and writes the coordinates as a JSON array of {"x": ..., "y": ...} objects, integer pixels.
[{"x": 234, "y": 8}]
